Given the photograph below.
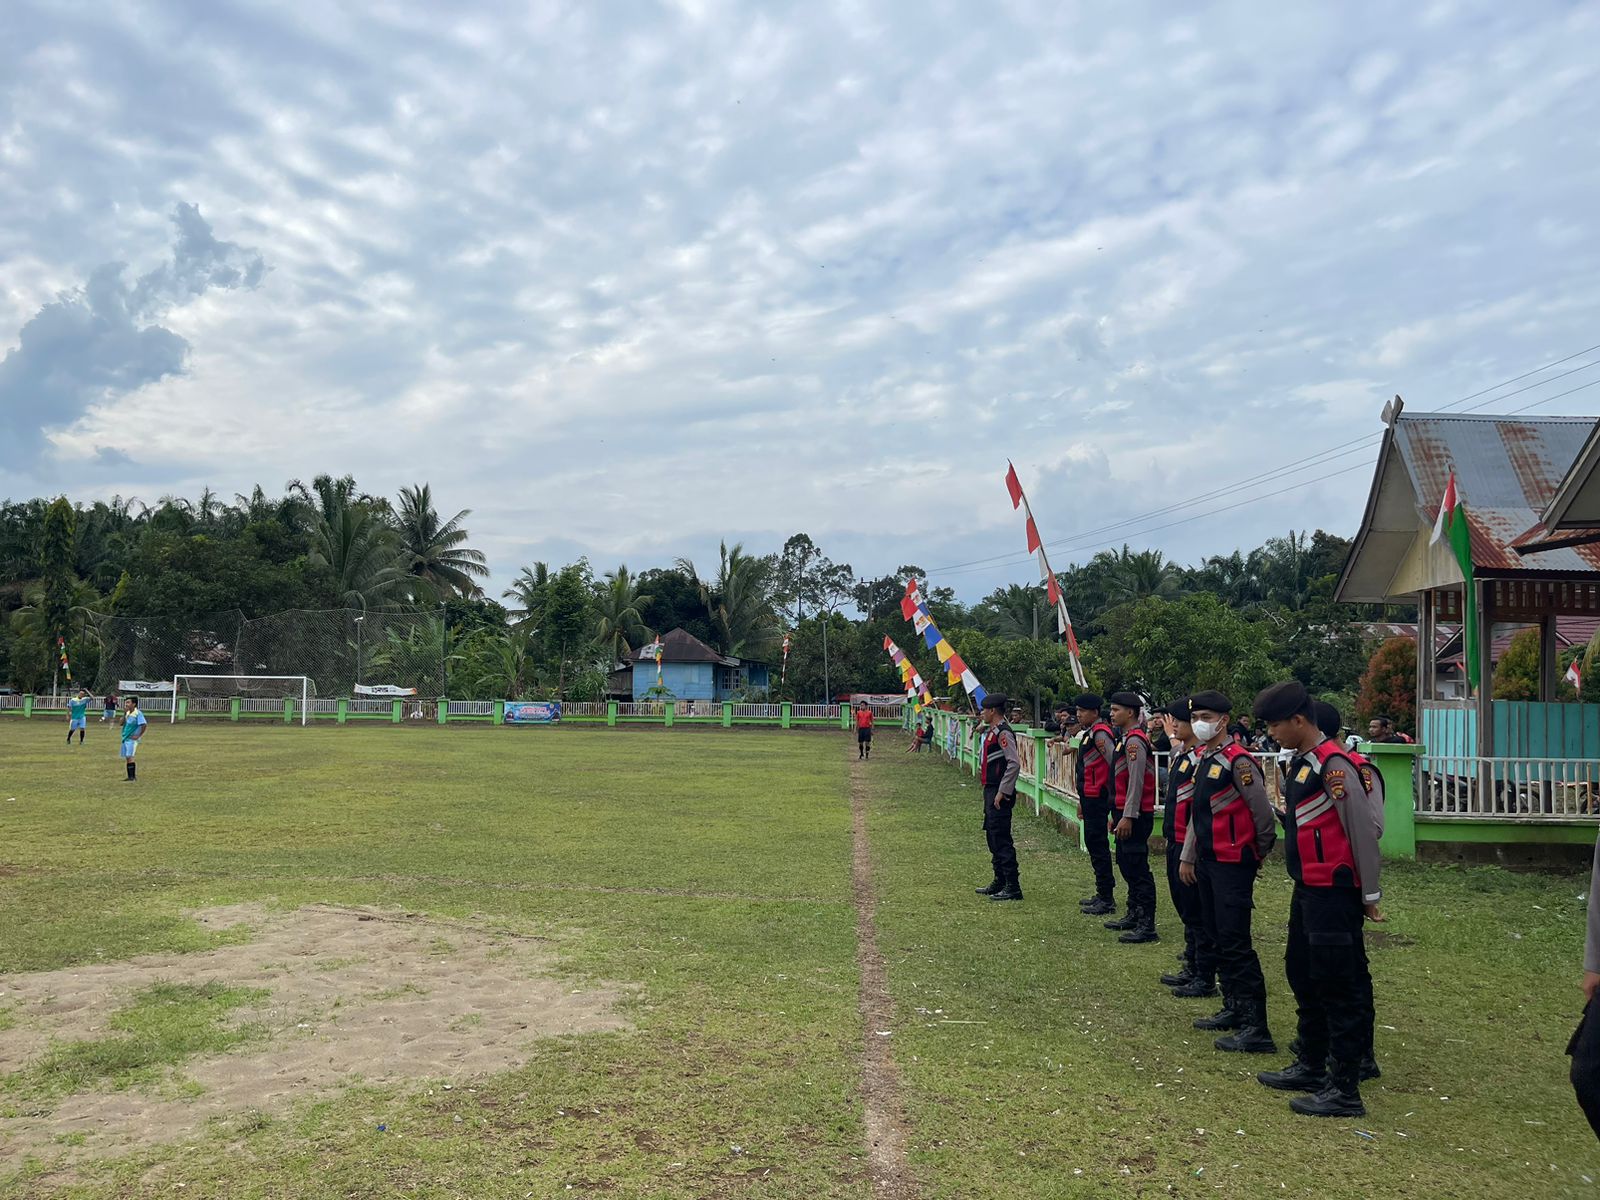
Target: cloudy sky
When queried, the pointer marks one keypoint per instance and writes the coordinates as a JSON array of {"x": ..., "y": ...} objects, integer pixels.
[{"x": 628, "y": 278}]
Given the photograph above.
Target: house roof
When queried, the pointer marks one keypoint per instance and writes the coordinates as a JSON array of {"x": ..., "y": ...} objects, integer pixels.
[
  {"x": 1576, "y": 502},
  {"x": 683, "y": 647},
  {"x": 1570, "y": 631},
  {"x": 1507, "y": 471}
]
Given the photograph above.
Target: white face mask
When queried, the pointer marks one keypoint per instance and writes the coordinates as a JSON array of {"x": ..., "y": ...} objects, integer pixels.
[{"x": 1206, "y": 730}]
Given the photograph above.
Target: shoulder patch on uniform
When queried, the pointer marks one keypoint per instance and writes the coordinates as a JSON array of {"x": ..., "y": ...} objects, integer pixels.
[
  {"x": 1132, "y": 750},
  {"x": 1333, "y": 782},
  {"x": 1245, "y": 771}
]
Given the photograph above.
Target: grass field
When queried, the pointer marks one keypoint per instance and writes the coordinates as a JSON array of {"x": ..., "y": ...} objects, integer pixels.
[{"x": 672, "y": 914}]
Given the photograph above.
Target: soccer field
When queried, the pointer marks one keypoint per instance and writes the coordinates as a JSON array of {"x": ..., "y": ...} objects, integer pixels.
[{"x": 583, "y": 962}]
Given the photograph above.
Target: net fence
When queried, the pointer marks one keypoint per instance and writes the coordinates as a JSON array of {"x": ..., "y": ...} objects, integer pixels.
[{"x": 336, "y": 648}]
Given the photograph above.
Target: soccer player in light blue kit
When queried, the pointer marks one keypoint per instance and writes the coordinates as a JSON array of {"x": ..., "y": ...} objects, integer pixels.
[
  {"x": 133, "y": 724},
  {"x": 77, "y": 716}
]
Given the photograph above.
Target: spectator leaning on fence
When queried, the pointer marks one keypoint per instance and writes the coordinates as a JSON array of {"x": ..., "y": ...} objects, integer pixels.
[{"x": 1331, "y": 849}]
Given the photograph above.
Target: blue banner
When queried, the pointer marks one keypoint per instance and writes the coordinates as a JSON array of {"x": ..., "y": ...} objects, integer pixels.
[{"x": 538, "y": 712}]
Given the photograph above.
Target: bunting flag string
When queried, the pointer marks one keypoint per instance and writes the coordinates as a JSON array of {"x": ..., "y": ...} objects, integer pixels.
[
  {"x": 61, "y": 648},
  {"x": 784, "y": 677},
  {"x": 1046, "y": 576},
  {"x": 956, "y": 671},
  {"x": 916, "y": 690}
]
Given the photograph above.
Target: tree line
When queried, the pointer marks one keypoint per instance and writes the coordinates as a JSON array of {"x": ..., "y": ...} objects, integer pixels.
[{"x": 1235, "y": 621}]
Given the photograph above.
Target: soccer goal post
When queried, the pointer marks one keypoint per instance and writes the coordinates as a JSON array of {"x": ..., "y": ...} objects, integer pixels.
[{"x": 247, "y": 687}]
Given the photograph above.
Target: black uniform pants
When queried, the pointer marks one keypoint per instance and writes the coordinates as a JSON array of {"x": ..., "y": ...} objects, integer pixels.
[
  {"x": 1326, "y": 961},
  {"x": 997, "y": 832},
  {"x": 1096, "y": 815},
  {"x": 1186, "y": 901},
  {"x": 1227, "y": 894},
  {"x": 1585, "y": 1051},
  {"x": 1133, "y": 860}
]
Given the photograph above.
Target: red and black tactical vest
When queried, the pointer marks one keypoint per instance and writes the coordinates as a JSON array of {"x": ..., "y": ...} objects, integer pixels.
[
  {"x": 1223, "y": 824},
  {"x": 1094, "y": 773},
  {"x": 1180, "y": 794},
  {"x": 1314, "y": 838},
  {"x": 994, "y": 758},
  {"x": 1122, "y": 772}
]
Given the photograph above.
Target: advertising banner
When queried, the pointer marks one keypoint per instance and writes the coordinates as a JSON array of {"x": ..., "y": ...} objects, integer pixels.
[{"x": 534, "y": 712}]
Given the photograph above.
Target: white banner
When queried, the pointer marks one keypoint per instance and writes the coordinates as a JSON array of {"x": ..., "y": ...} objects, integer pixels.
[
  {"x": 142, "y": 685},
  {"x": 383, "y": 689}
]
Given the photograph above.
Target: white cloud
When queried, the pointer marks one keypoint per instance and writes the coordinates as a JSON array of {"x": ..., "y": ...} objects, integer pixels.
[{"x": 724, "y": 271}]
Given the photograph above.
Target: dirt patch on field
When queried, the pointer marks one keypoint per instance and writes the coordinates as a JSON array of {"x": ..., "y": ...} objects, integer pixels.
[
  {"x": 356, "y": 996},
  {"x": 887, "y": 1132}
]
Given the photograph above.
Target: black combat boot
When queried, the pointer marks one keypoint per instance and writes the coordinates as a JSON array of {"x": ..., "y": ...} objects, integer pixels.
[
  {"x": 1252, "y": 1036},
  {"x": 1198, "y": 988},
  {"x": 1228, "y": 1018},
  {"x": 1340, "y": 1097},
  {"x": 997, "y": 886},
  {"x": 1302, "y": 1075},
  {"x": 1144, "y": 931},
  {"x": 1129, "y": 920},
  {"x": 1087, "y": 901},
  {"x": 1369, "y": 1068},
  {"x": 1100, "y": 908},
  {"x": 1011, "y": 891},
  {"x": 1180, "y": 979}
]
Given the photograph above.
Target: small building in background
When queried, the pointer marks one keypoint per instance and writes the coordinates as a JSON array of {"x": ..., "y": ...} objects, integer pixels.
[{"x": 692, "y": 670}]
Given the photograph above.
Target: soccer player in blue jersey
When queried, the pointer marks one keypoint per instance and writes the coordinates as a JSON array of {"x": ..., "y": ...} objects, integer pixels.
[
  {"x": 77, "y": 716},
  {"x": 133, "y": 726}
]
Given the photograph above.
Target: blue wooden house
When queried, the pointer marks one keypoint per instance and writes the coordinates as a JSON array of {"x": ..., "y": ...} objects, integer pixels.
[{"x": 692, "y": 670}]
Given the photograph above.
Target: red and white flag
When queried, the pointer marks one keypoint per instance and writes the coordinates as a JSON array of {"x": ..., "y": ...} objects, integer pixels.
[
  {"x": 1046, "y": 575},
  {"x": 1575, "y": 674}
]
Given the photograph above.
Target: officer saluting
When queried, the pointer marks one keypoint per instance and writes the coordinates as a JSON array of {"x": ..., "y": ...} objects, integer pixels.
[
  {"x": 1231, "y": 829},
  {"x": 1000, "y": 764},
  {"x": 1133, "y": 797},
  {"x": 1331, "y": 845},
  {"x": 1097, "y": 754}
]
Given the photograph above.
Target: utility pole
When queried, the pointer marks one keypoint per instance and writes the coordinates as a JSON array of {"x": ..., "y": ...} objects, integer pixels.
[{"x": 1035, "y": 607}]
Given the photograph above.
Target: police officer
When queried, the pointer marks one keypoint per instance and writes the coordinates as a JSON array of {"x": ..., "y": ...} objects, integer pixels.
[
  {"x": 1133, "y": 796},
  {"x": 1231, "y": 830},
  {"x": 1331, "y": 847},
  {"x": 1000, "y": 764},
  {"x": 1097, "y": 753},
  {"x": 1198, "y": 978}
]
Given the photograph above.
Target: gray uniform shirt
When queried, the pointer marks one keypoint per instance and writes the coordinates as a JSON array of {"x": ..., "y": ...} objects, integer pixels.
[
  {"x": 1354, "y": 806},
  {"x": 1137, "y": 752},
  {"x": 1247, "y": 778},
  {"x": 1008, "y": 747}
]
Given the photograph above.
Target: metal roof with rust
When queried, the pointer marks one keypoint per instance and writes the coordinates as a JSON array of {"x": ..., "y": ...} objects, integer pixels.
[{"x": 1507, "y": 470}]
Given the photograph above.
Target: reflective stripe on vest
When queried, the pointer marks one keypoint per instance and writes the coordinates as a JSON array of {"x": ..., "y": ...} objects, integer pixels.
[
  {"x": 1120, "y": 774},
  {"x": 1180, "y": 794},
  {"x": 1231, "y": 831},
  {"x": 1315, "y": 843}
]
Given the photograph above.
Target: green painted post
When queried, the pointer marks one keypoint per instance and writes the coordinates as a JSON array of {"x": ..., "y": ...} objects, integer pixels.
[
  {"x": 397, "y": 713},
  {"x": 183, "y": 708},
  {"x": 288, "y": 710},
  {"x": 1397, "y": 764},
  {"x": 444, "y": 711},
  {"x": 669, "y": 710},
  {"x": 785, "y": 714},
  {"x": 344, "y": 710},
  {"x": 844, "y": 717},
  {"x": 611, "y": 714},
  {"x": 233, "y": 709},
  {"x": 727, "y": 714},
  {"x": 27, "y": 706},
  {"x": 499, "y": 712}
]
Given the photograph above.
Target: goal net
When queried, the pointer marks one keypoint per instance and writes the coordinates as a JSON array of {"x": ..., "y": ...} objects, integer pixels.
[{"x": 255, "y": 693}]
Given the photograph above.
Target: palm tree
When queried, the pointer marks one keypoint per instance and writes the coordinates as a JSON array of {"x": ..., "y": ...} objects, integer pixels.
[
  {"x": 528, "y": 590},
  {"x": 1020, "y": 611},
  {"x": 433, "y": 551},
  {"x": 362, "y": 553},
  {"x": 738, "y": 601},
  {"x": 511, "y": 665},
  {"x": 618, "y": 624},
  {"x": 1135, "y": 575}
]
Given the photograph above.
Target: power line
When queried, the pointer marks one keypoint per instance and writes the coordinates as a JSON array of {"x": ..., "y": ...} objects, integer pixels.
[{"x": 1339, "y": 450}]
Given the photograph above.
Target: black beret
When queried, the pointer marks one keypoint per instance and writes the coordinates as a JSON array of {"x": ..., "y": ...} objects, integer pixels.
[
  {"x": 1282, "y": 701},
  {"x": 1179, "y": 708},
  {"x": 1127, "y": 700},
  {"x": 1328, "y": 719},
  {"x": 995, "y": 700},
  {"x": 1211, "y": 702},
  {"x": 1089, "y": 700}
]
